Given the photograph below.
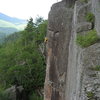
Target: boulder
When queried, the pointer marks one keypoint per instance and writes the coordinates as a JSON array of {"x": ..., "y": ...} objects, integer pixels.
[
  {"x": 15, "y": 93},
  {"x": 85, "y": 26}
]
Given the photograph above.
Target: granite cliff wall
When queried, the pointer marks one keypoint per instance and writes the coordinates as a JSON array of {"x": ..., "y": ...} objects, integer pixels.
[{"x": 68, "y": 74}]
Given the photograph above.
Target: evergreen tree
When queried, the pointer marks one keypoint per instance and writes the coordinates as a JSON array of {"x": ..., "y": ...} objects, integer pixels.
[{"x": 30, "y": 24}]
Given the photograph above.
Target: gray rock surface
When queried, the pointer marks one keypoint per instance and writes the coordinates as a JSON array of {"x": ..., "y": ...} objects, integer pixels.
[
  {"x": 70, "y": 3},
  {"x": 59, "y": 29},
  {"x": 11, "y": 93},
  {"x": 68, "y": 74},
  {"x": 15, "y": 93},
  {"x": 96, "y": 11},
  {"x": 74, "y": 69},
  {"x": 84, "y": 26},
  {"x": 90, "y": 79}
]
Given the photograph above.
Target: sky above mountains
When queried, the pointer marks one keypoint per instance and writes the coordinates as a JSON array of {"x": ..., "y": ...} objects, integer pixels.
[{"x": 25, "y": 9}]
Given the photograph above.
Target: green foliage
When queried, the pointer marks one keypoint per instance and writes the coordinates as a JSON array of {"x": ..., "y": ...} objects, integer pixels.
[
  {"x": 12, "y": 38},
  {"x": 2, "y": 37},
  {"x": 4, "y": 96},
  {"x": 41, "y": 29},
  {"x": 39, "y": 20},
  {"x": 96, "y": 68},
  {"x": 90, "y": 95},
  {"x": 88, "y": 39},
  {"x": 21, "y": 61},
  {"x": 34, "y": 96},
  {"x": 30, "y": 24},
  {"x": 90, "y": 17},
  {"x": 86, "y": 1}
]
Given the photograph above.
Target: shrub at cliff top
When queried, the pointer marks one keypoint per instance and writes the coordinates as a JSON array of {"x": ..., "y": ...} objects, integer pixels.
[{"x": 88, "y": 39}]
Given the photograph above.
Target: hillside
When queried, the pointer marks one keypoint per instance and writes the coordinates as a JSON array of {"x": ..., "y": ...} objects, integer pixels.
[
  {"x": 2, "y": 36},
  {"x": 13, "y": 20},
  {"x": 9, "y": 25},
  {"x": 4, "y": 23}
]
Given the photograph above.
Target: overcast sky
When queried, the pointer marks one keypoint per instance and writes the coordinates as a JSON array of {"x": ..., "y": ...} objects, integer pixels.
[{"x": 25, "y": 9}]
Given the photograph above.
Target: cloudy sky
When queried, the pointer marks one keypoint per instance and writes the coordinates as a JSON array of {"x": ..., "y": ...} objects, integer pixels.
[{"x": 26, "y": 8}]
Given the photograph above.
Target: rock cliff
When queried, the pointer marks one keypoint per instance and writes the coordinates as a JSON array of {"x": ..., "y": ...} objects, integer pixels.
[{"x": 73, "y": 71}]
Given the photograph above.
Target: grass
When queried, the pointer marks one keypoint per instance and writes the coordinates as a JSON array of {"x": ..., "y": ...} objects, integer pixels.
[
  {"x": 96, "y": 68},
  {"x": 90, "y": 95},
  {"x": 86, "y": 1},
  {"x": 34, "y": 96},
  {"x": 88, "y": 39},
  {"x": 90, "y": 17}
]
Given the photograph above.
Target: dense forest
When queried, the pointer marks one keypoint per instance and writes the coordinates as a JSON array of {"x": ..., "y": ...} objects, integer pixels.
[{"x": 21, "y": 60}]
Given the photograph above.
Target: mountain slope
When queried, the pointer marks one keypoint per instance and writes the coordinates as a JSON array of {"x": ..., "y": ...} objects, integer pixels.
[
  {"x": 7, "y": 30},
  {"x": 6, "y": 24},
  {"x": 10, "y": 25},
  {"x": 2, "y": 36},
  {"x": 12, "y": 19}
]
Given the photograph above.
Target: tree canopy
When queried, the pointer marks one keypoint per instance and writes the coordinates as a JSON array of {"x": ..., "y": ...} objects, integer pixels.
[{"x": 21, "y": 62}]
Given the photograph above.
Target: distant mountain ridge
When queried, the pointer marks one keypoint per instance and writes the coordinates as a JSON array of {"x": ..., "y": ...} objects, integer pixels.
[
  {"x": 13, "y": 20},
  {"x": 9, "y": 25}
]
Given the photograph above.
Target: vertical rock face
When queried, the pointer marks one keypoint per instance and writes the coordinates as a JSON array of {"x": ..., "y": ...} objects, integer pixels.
[
  {"x": 68, "y": 74},
  {"x": 96, "y": 11},
  {"x": 70, "y": 3},
  {"x": 59, "y": 29}
]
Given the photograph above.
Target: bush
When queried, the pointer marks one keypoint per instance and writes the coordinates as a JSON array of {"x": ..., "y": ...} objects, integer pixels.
[
  {"x": 90, "y": 95},
  {"x": 3, "y": 96},
  {"x": 90, "y": 17},
  {"x": 87, "y": 39},
  {"x": 34, "y": 96}
]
